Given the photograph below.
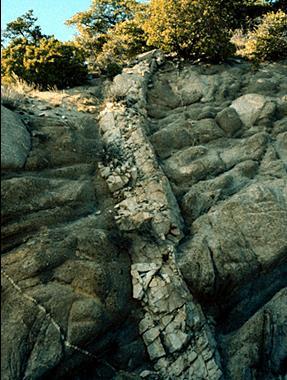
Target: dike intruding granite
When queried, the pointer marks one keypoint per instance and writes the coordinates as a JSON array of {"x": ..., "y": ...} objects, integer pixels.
[
  {"x": 150, "y": 241},
  {"x": 174, "y": 328}
]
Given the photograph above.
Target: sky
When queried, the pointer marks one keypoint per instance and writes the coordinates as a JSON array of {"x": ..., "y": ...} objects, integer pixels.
[{"x": 51, "y": 14}]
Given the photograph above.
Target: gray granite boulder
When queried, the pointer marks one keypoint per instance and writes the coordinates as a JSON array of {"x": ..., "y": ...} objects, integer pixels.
[
  {"x": 15, "y": 141},
  {"x": 253, "y": 107}
]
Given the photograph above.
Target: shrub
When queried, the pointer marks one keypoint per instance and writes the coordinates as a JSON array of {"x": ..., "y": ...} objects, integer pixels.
[
  {"x": 110, "y": 31},
  {"x": 49, "y": 63},
  {"x": 124, "y": 41},
  {"x": 191, "y": 28},
  {"x": 268, "y": 42},
  {"x": 112, "y": 69},
  {"x": 39, "y": 59}
]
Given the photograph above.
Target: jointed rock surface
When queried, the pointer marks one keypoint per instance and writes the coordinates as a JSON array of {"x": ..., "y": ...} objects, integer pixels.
[
  {"x": 174, "y": 329},
  {"x": 149, "y": 241}
]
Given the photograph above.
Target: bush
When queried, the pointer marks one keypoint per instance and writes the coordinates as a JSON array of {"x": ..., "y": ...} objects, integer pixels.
[
  {"x": 46, "y": 64},
  {"x": 268, "y": 42},
  {"x": 110, "y": 31},
  {"x": 112, "y": 69},
  {"x": 191, "y": 28},
  {"x": 124, "y": 41}
]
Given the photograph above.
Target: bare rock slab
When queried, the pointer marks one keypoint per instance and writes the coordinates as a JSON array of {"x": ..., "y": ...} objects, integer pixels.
[
  {"x": 252, "y": 107},
  {"x": 15, "y": 141}
]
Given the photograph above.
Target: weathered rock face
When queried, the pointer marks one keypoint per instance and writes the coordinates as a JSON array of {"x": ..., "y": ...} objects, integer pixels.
[
  {"x": 178, "y": 200},
  {"x": 177, "y": 335},
  {"x": 66, "y": 287},
  {"x": 15, "y": 141},
  {"x": 225, "y": 157}
]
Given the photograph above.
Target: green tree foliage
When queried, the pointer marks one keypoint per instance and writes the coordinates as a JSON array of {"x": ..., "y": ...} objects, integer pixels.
[
  {"x": 113, "y": 31},
  {"x": 49, "y": 63},
  {"x": 268, "y": 42},
  {"x": 124, "y": 41},
  {"x": 110, "y": 31},
  {"x": 103, "y": 15},
  {"x": 192, "y": 28},
  {"x": 39, "y": 59},
  {"x": 24, "y": 27}
]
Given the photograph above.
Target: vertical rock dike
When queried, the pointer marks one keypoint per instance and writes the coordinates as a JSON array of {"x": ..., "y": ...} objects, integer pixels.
[{"x": 177, "y": 335}]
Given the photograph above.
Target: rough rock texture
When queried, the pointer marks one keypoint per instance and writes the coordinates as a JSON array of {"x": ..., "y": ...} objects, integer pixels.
[
  {"x": 225, "y": 157},
  {"x": 178, "y": 337},
  {"x": 66, "y": 290},
  {"x": 15, "y": 141},
  {"x": 176, "y": 199}
]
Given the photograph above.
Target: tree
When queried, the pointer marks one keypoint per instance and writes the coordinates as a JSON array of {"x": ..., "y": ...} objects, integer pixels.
[
  {"x": 110, "y": 28},
  {"x": 191, "y": 28},
  {"x": 24, "y": 27},
  {"x": 103, "y": 15},
  {"x": 124, "y": 41},
  {"x": 40, "y": 59}
]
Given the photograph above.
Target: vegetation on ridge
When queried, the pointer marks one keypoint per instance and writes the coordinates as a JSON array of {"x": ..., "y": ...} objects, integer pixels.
[
  {"x": 112, "y": 32},
  {"x": 40, "y": 59},
  {"x": 268, "y": 41}
]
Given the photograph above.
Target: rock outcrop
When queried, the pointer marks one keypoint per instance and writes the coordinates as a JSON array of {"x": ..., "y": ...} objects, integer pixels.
[
  {"x": 225, "y": 157},
  {"x": 15, "y": 141},
  {"x": 178, "y": 338},
  {"x": 151, "y": 242},
  {"x": 66, "y": 289}
]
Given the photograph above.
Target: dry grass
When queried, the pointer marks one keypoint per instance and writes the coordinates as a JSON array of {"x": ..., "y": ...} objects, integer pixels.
[
  {"x": 11, "y": 98},
  {"x": 14, "y": 93},
  {"x": 17, "y": 94}
]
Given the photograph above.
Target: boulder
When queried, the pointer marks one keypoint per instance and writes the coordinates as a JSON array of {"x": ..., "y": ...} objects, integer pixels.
[
  {"x": 69, "y": 289},
  {"x": 125, "y": 83},
  {"x": 281, "y": 147},
  {"x": 15, "y": 141},
  {"x": 229, "y": 120},
  {"x": 252, "y": 107},
  {"x": 66, "y": 286},
  {"x": 259, "y": 343},
  {"x": 207, "y": 193},
  {"x": 182, "y": 134},
  {"x": 236, "y": 239},
  {"x": 229, "y": 177}
]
